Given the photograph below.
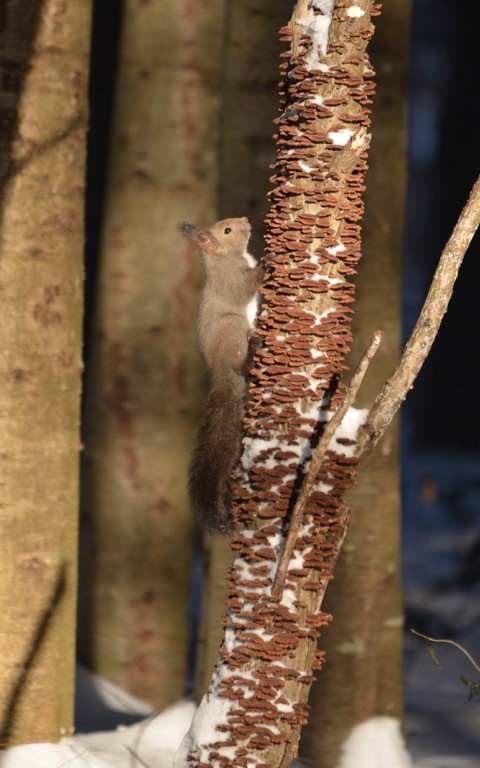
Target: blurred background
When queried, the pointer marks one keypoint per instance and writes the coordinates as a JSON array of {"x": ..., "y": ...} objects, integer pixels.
[
  {"x": 441, "y": 418},
  {"x": 215, "y": 100}
]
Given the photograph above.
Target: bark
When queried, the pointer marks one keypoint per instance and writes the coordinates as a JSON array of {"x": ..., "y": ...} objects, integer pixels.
[
  {"x": 249, "y": 105},
  {"x": 145, "y": 381},
  {"x": 217, "y": 559},
  {"x": 362, "y": 676},
  {"x": 42, "y": 157}
]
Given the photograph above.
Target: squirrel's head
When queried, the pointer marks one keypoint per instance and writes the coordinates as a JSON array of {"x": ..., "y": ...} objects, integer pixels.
[{"x": 227, "y": 238}]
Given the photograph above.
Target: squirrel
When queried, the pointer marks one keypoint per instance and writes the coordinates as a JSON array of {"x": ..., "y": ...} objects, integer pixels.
[{"x": 227, "y": 342}]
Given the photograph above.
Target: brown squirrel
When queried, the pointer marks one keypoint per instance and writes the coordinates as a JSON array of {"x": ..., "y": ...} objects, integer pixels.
[{"x": 226, "y": 337}]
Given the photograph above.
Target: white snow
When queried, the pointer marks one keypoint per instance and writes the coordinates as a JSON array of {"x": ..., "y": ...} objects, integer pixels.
[
  {"x": 348, "y": 429},
  {"x": 327, "y": 279},
  {"x": 355, "y": 12},
  {"x": 305, "y": 167},
  {"x": 341, "y": 137},
  {"x": 440, "y": 737},
  {"x": 325, "y": 6},
  {"x": 317, "y": 27},
  {"x": 336, "y": 249},
  {"x": 155, "y": 741},
  {"x": 203, "y": 731},
  {"x": 376, "y": 743}
]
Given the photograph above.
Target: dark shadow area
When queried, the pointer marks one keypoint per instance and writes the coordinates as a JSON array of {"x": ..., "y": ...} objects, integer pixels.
[
  {"x": 444, "y": 161},
  {"x": 103, "y": 60},
  {"x": 106, "y": 24},
  {"x": 315, "y": 438},
  {"x": 100, "y": 707},
  {"x": 441, "y": 417},
  {"x": 7, "y": 725},
  {"x": 18, "y": 31}
]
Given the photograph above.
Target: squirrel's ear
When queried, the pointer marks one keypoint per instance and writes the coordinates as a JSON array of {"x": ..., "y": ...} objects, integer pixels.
[
  {"x": 202, "y": 238},
  {"x": 207, "y": 241}
]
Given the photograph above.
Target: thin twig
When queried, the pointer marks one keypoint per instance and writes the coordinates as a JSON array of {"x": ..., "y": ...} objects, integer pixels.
[
  {"x": 136, "y": 757},
  {"x": 316, "y": 462},
  {"x": 138, "y": 738},
  {"x": 72, "y": 759},
  {"x": 397, "y": 387},
  {"x": 450, "y": 642}
]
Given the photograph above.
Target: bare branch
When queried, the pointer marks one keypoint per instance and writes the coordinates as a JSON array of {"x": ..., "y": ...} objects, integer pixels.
[
  {"x": 316, "y": 462},
  {"x": 397, "y": 387},
  {"x": 450, "y": 642}
]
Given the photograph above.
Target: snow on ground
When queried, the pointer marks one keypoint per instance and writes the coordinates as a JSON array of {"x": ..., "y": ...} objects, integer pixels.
[
  {"x": 436, "y": 737},
  {"x": 153, "y": 740},
  {"x": 376, "y": 743},
  {"x": 443, "y": 730}
]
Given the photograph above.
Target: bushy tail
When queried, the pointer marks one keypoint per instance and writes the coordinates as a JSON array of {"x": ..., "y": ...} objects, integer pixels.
[{"x": 216, "y": 452}]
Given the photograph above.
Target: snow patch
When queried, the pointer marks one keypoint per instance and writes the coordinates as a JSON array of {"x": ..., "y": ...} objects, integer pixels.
[
  {"x": 355, "y": 12},
  {"x": 325, "y": 6},
  {"x": 327, "y": 279},
  {"x": 155, "y": 740},
  {"x": 341, "y": 137},
  {"x": 305, "y": 167},
  {"x": 376, "y": 743},
  {"x": 348, "y": 429},
  {"x": 336, "y": 249},
  {"x": 203, "y": 732},
  {"x": 317, "y": 27}
]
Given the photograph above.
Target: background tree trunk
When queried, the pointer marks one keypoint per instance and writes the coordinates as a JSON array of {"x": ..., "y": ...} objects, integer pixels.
[
  {"x": 145, "y": 381},
  {"x": 249, "y": 105},
  {"x": 362, "y": 676},
  {"x": 44, "y": 49}
]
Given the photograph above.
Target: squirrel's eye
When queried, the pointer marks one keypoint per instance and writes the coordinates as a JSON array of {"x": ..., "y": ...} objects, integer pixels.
[{"x": 227, "y": 230}]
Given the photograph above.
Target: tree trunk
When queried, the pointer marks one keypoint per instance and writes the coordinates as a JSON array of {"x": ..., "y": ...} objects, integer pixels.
[
  {"x": 249, "y": 105},
  {"x": 44, "y": 88},
  {"x": 145, "y": 380},
  {"x": 256, "y": 703},
  {"x": 362, "y": 676}
]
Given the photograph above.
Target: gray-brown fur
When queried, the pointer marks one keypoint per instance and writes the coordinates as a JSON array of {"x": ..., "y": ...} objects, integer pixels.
[{"x": 225, "y": 337}]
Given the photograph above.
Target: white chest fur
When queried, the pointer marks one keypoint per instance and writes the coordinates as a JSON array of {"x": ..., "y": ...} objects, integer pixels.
[
  {"x": 252, "y": 306},
  {"x": 249, "y": 259}
]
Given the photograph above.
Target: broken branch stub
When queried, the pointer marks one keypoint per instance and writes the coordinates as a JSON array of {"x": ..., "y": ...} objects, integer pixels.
[{"x": 257, "y": 702}]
